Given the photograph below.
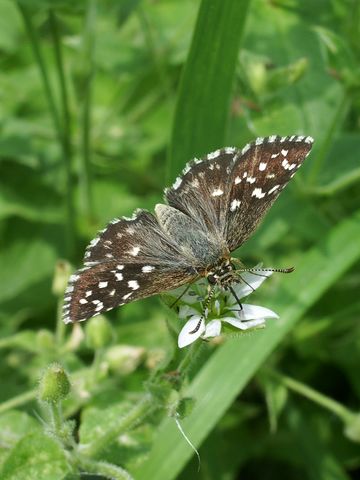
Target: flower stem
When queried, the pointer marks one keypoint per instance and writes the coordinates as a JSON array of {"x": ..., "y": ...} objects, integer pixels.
[
  {"x": 122, "y": 424},
  {"x": 104, "y": 469},
  {"x": 189, "y": 358},
  {"x": 328, "y": 403},
  {"x": 66, "y": 134},
  {"x": 18, "y": 400}
]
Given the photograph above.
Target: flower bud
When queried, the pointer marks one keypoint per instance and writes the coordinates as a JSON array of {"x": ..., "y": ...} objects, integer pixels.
[
  {"x": 54, "y": 384},
  {"x": 124, "y": 359},
  {"x": 98, "y": 332},
  {"x": 45, "y": 339},
  {"x": 61, "y": 277}
]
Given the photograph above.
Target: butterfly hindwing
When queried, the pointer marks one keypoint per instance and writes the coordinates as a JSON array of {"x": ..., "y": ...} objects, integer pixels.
[
  {"x": 102, "y": 287},
  {"x": 130, "y": 259}
]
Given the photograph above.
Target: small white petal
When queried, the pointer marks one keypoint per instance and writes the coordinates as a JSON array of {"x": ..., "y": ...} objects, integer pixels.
[
  {"x": 186, "y": 336},
  {"x": 253, "y": 312},
  {"x": 213, "y": 329},
  {"x": 244, "y": 325},
  {"x": 251, "y": 281}
]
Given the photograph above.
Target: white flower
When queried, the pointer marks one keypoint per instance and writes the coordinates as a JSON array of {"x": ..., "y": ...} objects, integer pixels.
[{"x": 224, "y": 308}]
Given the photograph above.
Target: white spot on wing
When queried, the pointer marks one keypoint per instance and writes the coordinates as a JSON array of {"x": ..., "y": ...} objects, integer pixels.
[
  {"x": 274, "y": 155},
  {"x": 133, "y": 284},
  {"x": 284, "y": 152},
  {"x": 258, "y": 193},
  {"x": 259, "y": 141},
  {"x": 103, "y": 284},
  {"x": 177, "y": 183},
  {"x": 245, "y": 149},
  {"x": 309, "y": 140},
  {"x": 83, "y": 301},
  {"x": 273, "y": 189},
  {"x": 300, "y": 138},
  {"x": 127, "y": 295},
  {"x": 262, "y": 166},
  {"x": 119, "y": 276},
  {"x": 134, "y": 251},
  {"x": 212, "y": 155},
  {"x": 234, "y": 205},
  {"x": 217, "y": 192},
  {"x": 112, "y": 293},
  {"x": 147, "y": 269},
  {"x": 237, "y": 180},
  {"x": 230, "y": 150},
  {"x": 251, "y": 179},
  {"x": 272, "y": 138},
  {"x": 88, "y": 293}
]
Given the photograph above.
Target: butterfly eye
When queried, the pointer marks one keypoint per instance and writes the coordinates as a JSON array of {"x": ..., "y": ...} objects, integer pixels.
[{"x": 211, "y": 279}]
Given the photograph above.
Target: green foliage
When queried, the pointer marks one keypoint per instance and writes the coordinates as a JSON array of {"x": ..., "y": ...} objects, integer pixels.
[{"x": 100, "y": 103}]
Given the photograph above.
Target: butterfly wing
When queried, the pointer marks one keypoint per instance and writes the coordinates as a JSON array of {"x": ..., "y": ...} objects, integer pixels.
[
  {"x": 260, "y": 173},
  {"x": 229, "y": 191},
  {"x": 202, "y": 190},
  {"x": 130, "y": 259}
]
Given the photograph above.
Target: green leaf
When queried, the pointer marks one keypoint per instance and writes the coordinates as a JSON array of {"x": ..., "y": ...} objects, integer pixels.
[
  {"x": 317, "y": 460},
  {"x": 36, "y": 456},
  {"x": 203, "y": 103},
  {"x": 13, "y": 426},
  {"x": 240, "y": 358}
]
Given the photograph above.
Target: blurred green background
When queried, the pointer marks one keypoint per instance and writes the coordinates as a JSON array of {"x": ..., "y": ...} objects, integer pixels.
[{"x": 101, "y": 105}]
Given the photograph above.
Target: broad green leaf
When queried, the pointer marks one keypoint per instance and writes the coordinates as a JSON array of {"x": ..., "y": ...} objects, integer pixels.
[
  {"x": 36, "y": 456},
  {"x": 232, "y": 366},
  {"x": 24, "y": 263},
  {"x": 13, "y": 426},
  {"x": 205, "y": 90}
]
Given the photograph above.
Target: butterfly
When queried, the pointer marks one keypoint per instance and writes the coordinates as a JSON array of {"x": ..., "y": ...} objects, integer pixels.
[{"x": 212, "y": 208}]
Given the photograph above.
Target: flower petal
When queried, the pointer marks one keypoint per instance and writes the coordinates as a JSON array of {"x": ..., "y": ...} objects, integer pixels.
[
  {"x": 251, "y": 282},
  {"x": 244, "y": 325},
  {"x": 253, "y": 312},
  {"x": 213, "y": 329},
  {"x": 191, "y": 331}
]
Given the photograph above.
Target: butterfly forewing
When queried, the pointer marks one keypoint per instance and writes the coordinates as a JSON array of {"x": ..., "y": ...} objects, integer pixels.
[
  {"x": 229, "y": 191},
  {"x": 259, "y": 174}
]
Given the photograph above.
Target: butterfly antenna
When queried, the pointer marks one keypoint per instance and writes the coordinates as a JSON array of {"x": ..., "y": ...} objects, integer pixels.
[{"x": 256, "y": 271}]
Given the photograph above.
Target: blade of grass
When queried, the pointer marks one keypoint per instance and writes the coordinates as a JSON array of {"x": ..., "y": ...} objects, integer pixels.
[
  {"x": 232, "y": 366},
  {"x": 66, "y": 134},
  {"x": 206, "y": 85},
  {"x": 89, "y": 73}
]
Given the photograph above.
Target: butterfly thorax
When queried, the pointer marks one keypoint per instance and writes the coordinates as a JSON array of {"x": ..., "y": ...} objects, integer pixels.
[{"x": 221, "y": 274}]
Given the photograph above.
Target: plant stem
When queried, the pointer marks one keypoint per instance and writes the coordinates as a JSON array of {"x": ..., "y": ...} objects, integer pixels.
[
  {"x": 190, "y": 357},
  {"x": 34, "y": 41},
  {"x": 18, "y": 400},
  {"x": 104, "y": 469},
  {"x": 328, "y": 403},
  {"x": 89, "y": 72},
  {"x": 66, "y": 134},
  {"x": 123, "y": 424}
]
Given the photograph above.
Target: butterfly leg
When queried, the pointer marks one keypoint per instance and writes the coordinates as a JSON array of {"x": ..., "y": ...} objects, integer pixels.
[{"x": 206, "y": 305}]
